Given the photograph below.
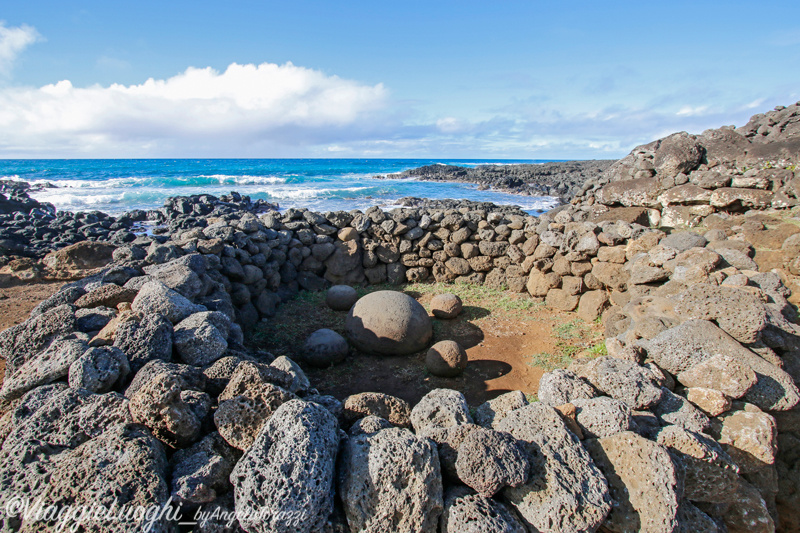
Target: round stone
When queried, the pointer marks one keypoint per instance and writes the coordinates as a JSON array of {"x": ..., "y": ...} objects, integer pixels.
[
  {"x": 347, "y": 234},
  {"x": 341, "y": 297},
  {"x": 325, "y": 347},
  {"x": 446, "y": 359},
  {"x": 446, "y": 306},
  {"x": 388, "y": 323}
]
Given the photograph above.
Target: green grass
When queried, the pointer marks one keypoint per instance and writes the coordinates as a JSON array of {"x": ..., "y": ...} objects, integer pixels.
[
  {"x": 573, "y": 329},
  {"x": 598, "y": 350},
  {"x": 548, "y": 361},
  {"x": 531, "y": 397}
]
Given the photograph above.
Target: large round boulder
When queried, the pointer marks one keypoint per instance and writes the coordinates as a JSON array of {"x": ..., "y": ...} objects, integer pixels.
[
  {"x": 325, "y": 347},
  {"x": 389, "y": 323}
]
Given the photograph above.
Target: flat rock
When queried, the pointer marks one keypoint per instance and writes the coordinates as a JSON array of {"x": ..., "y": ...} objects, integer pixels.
[
  {"x": 189, "y": 377},
  {"x": 490, "y": 413},
  {"x": 709, "y": 473},
  {"x": 45, "y": 367},
  {"x": 623, "y": 380},
  {"x": 563, "y": 386},
  {"x": 390, "y": 481},
  {"x": 20, "y": 343},
  {"x": 736, "y": 311},
  {"x": 566, "y": 491},
  {"x": 289, "y": 471},
  {"x": 109, "y": 295},
  {"x": 643, "y": 482},
  {"x": 395, "y": 410},
  {"x": 696, "y": 341},
  {"x": 489, "y": 460}
]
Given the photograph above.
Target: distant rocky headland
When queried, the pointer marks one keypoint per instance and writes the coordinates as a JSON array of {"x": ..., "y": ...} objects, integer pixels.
[
  {"x": 562, "y": 179},
  {"x": 135, "y": 385}
]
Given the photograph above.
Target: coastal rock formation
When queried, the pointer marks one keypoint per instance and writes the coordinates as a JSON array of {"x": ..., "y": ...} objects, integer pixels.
[{"x": 690, "y": 423}]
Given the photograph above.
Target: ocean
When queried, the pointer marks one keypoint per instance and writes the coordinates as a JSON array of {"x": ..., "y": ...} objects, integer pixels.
[{"x": 115, "y": 186}]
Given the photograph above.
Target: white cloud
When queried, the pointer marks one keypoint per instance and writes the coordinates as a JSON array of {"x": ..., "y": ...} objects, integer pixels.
[
  {"x": 199, "y": 110},
  {"x": 13, "y": 40}
]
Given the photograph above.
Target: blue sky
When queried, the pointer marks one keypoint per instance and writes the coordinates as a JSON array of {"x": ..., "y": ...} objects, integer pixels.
[{"x": 501, "y": 79}]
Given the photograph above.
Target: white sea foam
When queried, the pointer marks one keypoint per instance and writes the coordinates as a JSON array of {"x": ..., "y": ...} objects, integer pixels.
[{"x": 245, "y": 179}]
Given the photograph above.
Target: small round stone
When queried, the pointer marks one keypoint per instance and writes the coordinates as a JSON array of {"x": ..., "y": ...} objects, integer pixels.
[
  {"x": 341, "y": 297},
  {"x": 446, "y": 359},
  {"x": 446, "y": 306},
  {"x": 325, "y": 347}
]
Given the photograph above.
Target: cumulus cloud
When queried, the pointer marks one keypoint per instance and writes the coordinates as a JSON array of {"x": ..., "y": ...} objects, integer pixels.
[
  {"x": 201, "y": 108},
  {"x": 13, "y": 40}
]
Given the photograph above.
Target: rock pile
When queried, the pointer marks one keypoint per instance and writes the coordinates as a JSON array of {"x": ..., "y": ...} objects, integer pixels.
[
  {"x": 133, "y": 386},
  {"x": 562, "y": 180}
]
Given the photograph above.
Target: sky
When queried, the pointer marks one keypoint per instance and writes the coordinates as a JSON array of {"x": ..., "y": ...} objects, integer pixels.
[{"x": 414, "y": 79}]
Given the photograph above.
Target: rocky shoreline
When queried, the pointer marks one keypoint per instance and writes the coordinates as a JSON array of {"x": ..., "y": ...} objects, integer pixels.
[
  {"x": 135, "y": 384},
  {"x": 562, "y": 179}
]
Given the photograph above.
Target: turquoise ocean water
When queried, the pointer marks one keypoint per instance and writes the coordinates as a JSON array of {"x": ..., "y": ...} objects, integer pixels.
[{"x": 118, "y": 185}]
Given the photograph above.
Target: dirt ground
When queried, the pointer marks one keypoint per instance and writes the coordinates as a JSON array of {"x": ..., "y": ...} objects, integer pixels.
[
  {"x": 510, "y": 342},
  {"x": 17, "y": 299}
]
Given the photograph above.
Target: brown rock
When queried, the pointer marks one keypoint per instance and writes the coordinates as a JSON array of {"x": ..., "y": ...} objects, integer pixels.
[
  {"x": 390, "y": 408},
  {"x": 446, "y": 359}
]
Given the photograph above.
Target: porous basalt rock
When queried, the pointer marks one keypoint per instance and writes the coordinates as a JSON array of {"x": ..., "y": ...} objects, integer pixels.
[{"x": 388, "y": 323}]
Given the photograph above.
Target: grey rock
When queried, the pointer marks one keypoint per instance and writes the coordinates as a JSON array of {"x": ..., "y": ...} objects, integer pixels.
[
  {"x": 695, "y": 341},
  {"x": 324, "y": 348},
  {"x": 440, "y": 408},
  {"x": 388, "y": 323},
  {"x": 721, "y": 372},
  {"x": 623, "y": 380},
  {"x": 490, "y": 413},
  {"x": 201, "y": 472},
  {"x": 48, "y": 366},
  {"x": 390, "y": 481},
  {"x": 736, "y": 311},
  {"x": 20, "y": 343},
  {"x": 289, "y": 471},
  {"x": 489, "y": 460},
  {"x": 602, "y": 417},
  {"x": 189, "y": 377},
  {"x": 123, "y": 465},
  {"x": 89, "y": 320},
  {"x": 145, "y": 340},
  {"x": 67, "y": 295},
  {"x": 201, "y": 338},
  {"x": 467, "y": 512},
  {"x": 693, "y": 520},
  {"x": 683, "y": 240},
  {"x": 68, "y": 418},
  {"x": 678, "y": 411},
  {"x": 177, "y": 276},
  {"x": 156, "y": 298},
  {"x": 299, "y": 382},
  {"x": 566, "y": 491},
  {"x": 563, "y": 386},
  {"x": 99, "y": 369},
  {"x": 341, "y": 297},
  {"x": 448, "y": 440},
  {"x": 644, "y": 485}
]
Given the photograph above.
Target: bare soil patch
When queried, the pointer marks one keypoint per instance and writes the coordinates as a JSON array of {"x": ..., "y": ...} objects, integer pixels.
[
  {"x": 510, "y": 342},
  {"x": 17, "y": 299}
]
